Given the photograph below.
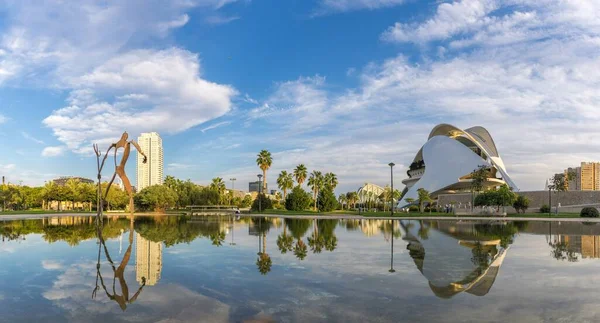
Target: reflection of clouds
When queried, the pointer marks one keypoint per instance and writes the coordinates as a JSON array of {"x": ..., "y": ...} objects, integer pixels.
[
  {"x": 72, "y": 292},
  {"x": 52, "y": 264},
  {"x": 7, "y": 248}
]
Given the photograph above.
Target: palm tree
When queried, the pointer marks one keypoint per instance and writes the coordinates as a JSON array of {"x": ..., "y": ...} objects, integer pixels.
[
  {"x": 264, "y": 161},
  {"x": 342, "y": 199},
  {"x": 352, "y": 197},
  {"x": 315, "y": 182},
  {"x": 300, "y": 250},
  {"x": 331, "y": 180},
  {"x": 73, "y": 191},
  {"x": 423, "y": 198},
  {"x": 300, "y": 173},
  {"x": 218, "y": 185},
  {"x": 285, "y": 182}
]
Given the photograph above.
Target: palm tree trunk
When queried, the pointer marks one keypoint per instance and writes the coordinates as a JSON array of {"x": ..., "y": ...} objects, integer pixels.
[
  {"x": 265, "y": 181},
  {"x": 264, "y": 244}
]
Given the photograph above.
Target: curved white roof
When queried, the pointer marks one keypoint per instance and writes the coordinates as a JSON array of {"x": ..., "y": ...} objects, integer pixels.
[{"x": 447, "y": 159}]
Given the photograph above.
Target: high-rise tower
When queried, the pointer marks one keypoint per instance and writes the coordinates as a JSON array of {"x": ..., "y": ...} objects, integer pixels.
[{"x": 150, "y": 173}]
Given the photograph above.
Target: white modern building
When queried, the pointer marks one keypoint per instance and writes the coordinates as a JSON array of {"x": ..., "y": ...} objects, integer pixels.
[
  {"x": 369, "y": 192},
  {"x": 447, "y": 160},
  {"x": 150, "y": 173}
]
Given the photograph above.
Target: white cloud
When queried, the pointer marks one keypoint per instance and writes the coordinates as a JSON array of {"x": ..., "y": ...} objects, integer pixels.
[
  {"x": 450, "y": 18},
  {"x": 331, "y": 6},
  {"x": 179, "y": 166},
  {"x": 176, "y": 98},
  {"x": 220, "y": 20},
  {"x": 216, "y": 125},
  {"x": 2, "y": 117},
  {"x": 53, "y": 151},
  {"x": 32, "y": 138},
  {"x": 492, "y": 22}
]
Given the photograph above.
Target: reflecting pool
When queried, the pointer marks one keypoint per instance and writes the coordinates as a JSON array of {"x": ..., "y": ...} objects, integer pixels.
[{"x": 228, "y": 269}]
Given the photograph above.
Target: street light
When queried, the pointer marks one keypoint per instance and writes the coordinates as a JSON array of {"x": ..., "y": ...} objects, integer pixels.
[
  {"x": 233, "y": 179},
  {"x": 259, "y": 191},
  {"x": 392, "y": 180}
]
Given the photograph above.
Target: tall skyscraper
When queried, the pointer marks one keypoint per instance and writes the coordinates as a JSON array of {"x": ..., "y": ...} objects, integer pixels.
[
  {"x": 150, "y": 173},
  {"x": 587, "y": 177},
  {"x": 148, "y": 260}
]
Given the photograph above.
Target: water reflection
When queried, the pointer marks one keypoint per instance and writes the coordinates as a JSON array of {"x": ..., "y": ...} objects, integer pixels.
[
  {"x": 448, "y": 257},
  {"x": 458, "y": 257},
  {"x": 118, "y": 273}
]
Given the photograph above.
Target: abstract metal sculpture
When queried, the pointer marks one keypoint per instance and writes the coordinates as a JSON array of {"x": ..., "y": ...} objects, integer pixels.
[{"x": 119, "y": 169}]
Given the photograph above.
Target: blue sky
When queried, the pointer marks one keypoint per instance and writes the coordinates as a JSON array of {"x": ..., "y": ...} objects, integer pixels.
[{"x": 340, "y": 85}]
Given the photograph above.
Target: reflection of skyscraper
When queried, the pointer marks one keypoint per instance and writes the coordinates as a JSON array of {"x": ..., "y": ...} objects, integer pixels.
[
  {"x": 586, "y": 245},
  {"x": 148, "y": 260}
]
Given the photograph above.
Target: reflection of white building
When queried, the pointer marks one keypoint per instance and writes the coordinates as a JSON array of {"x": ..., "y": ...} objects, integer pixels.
[
  {"x": 148, "y": 260},
  {"x": 449, "y": 157}
]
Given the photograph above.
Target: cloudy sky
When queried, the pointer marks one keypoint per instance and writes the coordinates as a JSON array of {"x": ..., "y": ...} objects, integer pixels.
[{"x": 340, "y": 85}]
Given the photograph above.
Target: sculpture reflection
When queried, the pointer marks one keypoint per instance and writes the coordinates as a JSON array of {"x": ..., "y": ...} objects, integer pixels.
[
  {"x": 118, "y": 272},
  {"x": 458, "y": 257}
]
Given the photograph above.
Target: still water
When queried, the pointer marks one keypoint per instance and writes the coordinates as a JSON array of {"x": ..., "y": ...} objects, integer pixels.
[{"x": 223, "y": 269}]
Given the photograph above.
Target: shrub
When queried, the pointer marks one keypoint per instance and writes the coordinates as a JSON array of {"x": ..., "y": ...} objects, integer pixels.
[
  {"x": 326, "y": 201},
  {"x": 589, "y": 212},
  {"x": 545, "y": 209},
  {"x": 265, "y": 203},
  {"x": 298, "y": 200},
  {"x": 413, "y": 208},
  {"x": 521, "y": 204}
]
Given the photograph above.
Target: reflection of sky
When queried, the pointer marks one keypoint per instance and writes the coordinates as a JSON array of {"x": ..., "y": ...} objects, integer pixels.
[{"x": 54, "y": 282}]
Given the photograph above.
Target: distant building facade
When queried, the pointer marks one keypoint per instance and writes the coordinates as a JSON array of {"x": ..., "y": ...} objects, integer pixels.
[
  {"x": 62, "y": 181},
  {"x": 255, "y": 186},
  {"x": 152, "y": 172},
  {"x": 586, "y": 177},
  {"x": 148, "y": 260}
]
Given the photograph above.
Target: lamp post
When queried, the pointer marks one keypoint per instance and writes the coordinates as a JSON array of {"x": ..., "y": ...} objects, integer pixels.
[
  {"x": 259, "y": 191},
  {"x": 392, "y": 181},
  {"x": 233, "y": 179}
]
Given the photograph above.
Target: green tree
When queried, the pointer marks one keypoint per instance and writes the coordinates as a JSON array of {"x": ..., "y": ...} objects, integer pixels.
[
  {"x": 218, "y": 185},
  {"x": 285, "y": 182},
  {"x": 559, "y": 183},
  {"x": 315, "y": 182},
  {"x": 342, "y": 199},
  {"x": 521, "y": 204},
  {"x": 300, "y": 173},
  {"x": 262, "y": 202},
  {"x": 264, "y": 161},
  {"x": 330, "y": 180},
  {"x": 352, "y": 198},
  {"x": 423, "y": 197},
  {"x": 478, "y": 178},
  {"x": 297, "y": 200},
  {"x": 156, "y": 197},
  {"x": 247, "y": 201},
  {"x": 326, "y": 200},
  {"x": 73, "y": 190}
]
